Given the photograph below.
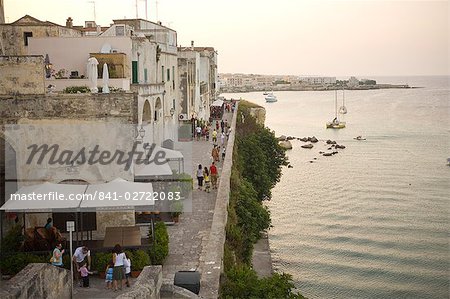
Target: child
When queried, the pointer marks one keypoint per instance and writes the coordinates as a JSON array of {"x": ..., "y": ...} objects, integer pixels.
[
  {"x": 206, "y": 178},
  {"x": 109, "y": 275},
  {"x": 223, "y": 154},
  {"x": 127, "y": 265},
  {"x": 85, "y": 275}
]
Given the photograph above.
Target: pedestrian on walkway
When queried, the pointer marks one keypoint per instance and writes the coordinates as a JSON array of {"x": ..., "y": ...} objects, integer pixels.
[
  {"x": 213, "y": 171},
  {"x": 222, "y": 139},
  {"x": 215, "y": 154},
  {"x": 119, "y": 270},
  {"x": 207, "y": 180},
  {"x": 200, "y": 176},
  {"x": 214, "y": 136},
  {"x": 199, "y": 132},
  {"x": 223, "y": 154},
  {"x": 222, "y": 125},
  {"x": 80, "y": 257}
]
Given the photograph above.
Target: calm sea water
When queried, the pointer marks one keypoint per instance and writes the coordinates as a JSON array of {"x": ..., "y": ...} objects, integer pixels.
[{"x": 373, "y": 220}]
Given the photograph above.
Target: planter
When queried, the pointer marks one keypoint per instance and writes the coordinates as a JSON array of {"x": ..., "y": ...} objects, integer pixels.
[{"x": 135, "y": 274}]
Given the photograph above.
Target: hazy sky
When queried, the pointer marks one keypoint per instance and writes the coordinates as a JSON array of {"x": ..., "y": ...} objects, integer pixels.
[{"x": 310, "y": 37}]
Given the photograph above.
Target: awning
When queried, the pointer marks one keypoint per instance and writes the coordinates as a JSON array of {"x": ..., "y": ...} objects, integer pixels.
[
  {"x": 152, "y": 170},
  {"x": 218, "y": 103},
  {"x": 118, "y": 194},
  {"x": 45, "y": 198}
]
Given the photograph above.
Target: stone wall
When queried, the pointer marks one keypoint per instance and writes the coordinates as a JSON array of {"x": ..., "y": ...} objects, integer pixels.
[
  {"x": 211, "y": 261},
  {"x": 22, "y": 75},
  {"x": 147, "y": 285},
  {"x": 38, "y": 281}
]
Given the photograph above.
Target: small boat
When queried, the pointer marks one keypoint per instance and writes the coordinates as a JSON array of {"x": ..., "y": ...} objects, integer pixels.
[
  {"x": 343, "y": 109},
  {"x": 271, "y": 98},
  {"x": 359, "y": 138},
  {"x": 335, "y": 124},
  {"x": 448, "y": 161},
  {"x": 310, "y": 145},
  {"x": 265, "y": 93}
]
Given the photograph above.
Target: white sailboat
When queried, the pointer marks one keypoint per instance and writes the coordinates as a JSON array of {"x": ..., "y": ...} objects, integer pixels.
[
  {"x": 343, "y": 109},
  {"x": 335, "y": 124}
]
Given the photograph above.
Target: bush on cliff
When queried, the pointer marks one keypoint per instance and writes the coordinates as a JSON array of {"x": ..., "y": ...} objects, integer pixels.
[{"x": 159, "y": 249}]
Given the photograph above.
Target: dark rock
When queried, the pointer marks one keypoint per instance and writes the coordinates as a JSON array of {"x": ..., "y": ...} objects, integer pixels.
[
  {"x": 314, "y": 139},
  {"x": 309, "y": 145},
  {"x": 281, "y": 138},
  {"x": 340, "y": 146},
  {"x": 290, "y": 166},
  {"x": 327, "y": 154},
  {"x": 304, "y": 139}
]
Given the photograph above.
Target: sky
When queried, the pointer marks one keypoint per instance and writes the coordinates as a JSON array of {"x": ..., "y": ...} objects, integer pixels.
[{"x": 285, "y": 37}]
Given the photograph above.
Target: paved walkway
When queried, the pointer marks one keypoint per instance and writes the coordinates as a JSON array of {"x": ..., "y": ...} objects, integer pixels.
[
  {"x": 188, "y": 238},
  {"x": 97, "y": 289}
]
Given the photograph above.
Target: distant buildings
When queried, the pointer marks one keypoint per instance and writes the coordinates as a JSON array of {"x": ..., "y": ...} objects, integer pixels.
[{"x": 318, "y": 80}]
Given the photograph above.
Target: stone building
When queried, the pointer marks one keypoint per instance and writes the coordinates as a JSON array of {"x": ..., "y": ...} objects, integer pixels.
[
  {"x": 14, "y": 36},
  {"x": 142, "y": 56},
  {"x": 189, "y": 74}
]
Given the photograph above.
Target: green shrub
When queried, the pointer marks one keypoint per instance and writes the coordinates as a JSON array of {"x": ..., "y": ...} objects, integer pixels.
[
  {"x": 100, "y": 260},
  {"x": 12, "y": 240},
  {"x": 76, "y": 89},
  {"x": 159, "y": 249},
  {"x": 14, "y": 263},
  {"x": 140, "y": 260}
]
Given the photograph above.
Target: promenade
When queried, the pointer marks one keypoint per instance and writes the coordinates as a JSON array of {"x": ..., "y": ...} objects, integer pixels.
[{"x": 189, "y": 237}]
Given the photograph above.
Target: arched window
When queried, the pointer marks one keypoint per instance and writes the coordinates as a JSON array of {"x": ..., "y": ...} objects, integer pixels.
[{"x": 158, "y": 107}]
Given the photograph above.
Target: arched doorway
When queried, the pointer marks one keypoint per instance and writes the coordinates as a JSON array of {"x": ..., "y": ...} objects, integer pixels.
[{"x": 146, "y": 114}]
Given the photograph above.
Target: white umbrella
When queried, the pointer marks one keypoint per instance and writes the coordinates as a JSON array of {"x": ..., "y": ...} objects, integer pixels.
[
  {"x": 105, "y": 78},
  {"x": 92, "y": 74}
]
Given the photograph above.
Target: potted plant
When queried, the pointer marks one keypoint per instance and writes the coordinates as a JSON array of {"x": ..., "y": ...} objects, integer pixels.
[
  {"x": 176, "y": 210},
  {"x": 99, "y": 262},
  {"x": 139, "y": 260}
]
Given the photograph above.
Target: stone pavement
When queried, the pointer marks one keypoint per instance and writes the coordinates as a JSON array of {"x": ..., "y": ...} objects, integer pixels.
[
  {"x": 188, "y": 238},
  {"x": 97, "y": 289}
]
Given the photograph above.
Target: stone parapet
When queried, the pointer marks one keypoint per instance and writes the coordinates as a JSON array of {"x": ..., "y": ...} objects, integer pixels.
[
  {"x": 38, "y": 281},
  {"x": 211, "y": 265},
  {"x": 148, "y": 285}
]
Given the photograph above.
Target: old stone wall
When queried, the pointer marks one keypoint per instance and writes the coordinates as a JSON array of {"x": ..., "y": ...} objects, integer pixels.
[
  {"x": 147, "y": 285},
  {"x": 211, "y": 265},
  {"x": 22, "y": 75},
  {"x": 38, "y": 281}
]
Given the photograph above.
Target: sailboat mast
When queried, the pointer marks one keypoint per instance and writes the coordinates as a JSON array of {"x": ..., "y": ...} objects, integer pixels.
[{"x": 335, "y": 103}]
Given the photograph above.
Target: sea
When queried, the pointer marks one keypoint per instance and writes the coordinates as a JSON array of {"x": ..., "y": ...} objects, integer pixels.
[{"x": 373, "y": 220}]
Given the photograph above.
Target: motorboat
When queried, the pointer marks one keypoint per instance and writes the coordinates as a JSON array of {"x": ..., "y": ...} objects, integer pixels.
[
  {"x": 265, "y": 93},
  {"x": 359, "y": 138},
  {"x": 271, "y": 98}
]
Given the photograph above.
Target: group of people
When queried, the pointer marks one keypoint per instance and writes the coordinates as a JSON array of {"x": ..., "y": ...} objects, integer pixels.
[
  {"x": 118, "y": 269},
  {"x": 208, "y": 176}
]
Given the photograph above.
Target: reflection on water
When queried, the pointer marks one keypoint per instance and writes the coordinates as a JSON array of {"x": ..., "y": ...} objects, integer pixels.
[{"x": 371, "y": 221}]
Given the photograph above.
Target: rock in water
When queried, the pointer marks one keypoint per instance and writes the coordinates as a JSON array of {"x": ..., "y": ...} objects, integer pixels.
[
  {"x": 282, "y": 138},
  {"x": 314, "y": 139},
  {"x": 286, "y": 144},
  {"x": 308, "y": 146}
]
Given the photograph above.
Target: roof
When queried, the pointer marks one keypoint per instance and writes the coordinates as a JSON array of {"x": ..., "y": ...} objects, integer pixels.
[{"x": 28, "y": 20}]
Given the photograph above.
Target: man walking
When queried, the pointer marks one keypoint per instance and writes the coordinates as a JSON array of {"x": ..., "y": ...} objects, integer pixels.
[
  {"x": 80, "y": 257},
  {"x": 213, "y": 173}
]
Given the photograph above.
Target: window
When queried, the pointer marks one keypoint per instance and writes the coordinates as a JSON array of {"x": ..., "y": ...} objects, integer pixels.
[
  {"x": 145, "y": 76},
  {"x": 168, "y": 74},
  {"x": 26, "y": 35},
  {"x": 134, "y": 72},
  {"x": 120, "y": 30},
  {"x": 162, "y": 73}
]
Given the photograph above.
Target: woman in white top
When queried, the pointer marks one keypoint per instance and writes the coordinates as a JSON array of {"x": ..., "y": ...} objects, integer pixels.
[{"x": 119, "y": 270}]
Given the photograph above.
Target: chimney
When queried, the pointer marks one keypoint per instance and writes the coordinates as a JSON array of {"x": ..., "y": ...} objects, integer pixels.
[
  {"x": 69, "y": 22},
  {"x": 192, "y": 45}
]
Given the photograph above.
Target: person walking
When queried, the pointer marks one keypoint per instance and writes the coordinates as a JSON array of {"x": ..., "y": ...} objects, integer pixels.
[
  {"x": 200, "y": 177},
  {"x": 214, "y": 136},
  {"x": 215, "y": 154},
  {"x": 207, "y": 179},
  {"x": 222, "y": 139},
  {"x": 199, "y": 132},
  {"x": 213, "y": 172},
  {"x": 119, "y": 269}
]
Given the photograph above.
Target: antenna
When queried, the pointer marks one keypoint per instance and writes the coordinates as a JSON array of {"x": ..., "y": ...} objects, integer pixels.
[
  {"x": 146, "y": 15},
  {"x": 156, "y": 3},
  {"x": 137, "y": 16},
  {"x": 95, "y": 16}
]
